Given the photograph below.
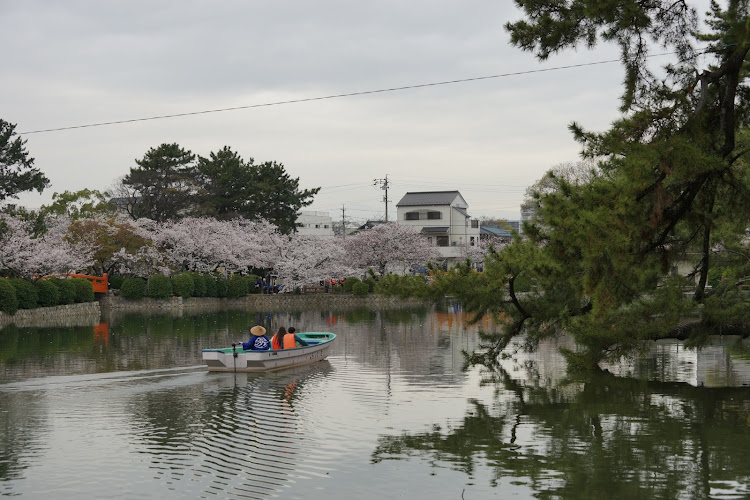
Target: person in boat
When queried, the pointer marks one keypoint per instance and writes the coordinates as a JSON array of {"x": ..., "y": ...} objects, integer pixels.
[
  {"x": 258, "y": 341},
  {"x": 290, "y": 339},
  {"x": 277, "y": 341}
]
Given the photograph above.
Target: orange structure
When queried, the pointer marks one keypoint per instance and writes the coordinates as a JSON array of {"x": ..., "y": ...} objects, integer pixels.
[{"x": 101, "y": 333}]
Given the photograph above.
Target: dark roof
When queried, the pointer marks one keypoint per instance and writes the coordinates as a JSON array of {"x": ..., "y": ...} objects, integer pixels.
[
  {"x": 435, "y": 229},
  {"x": 428, "y": 198},
  {"x": 371, "y": 224},
  {"x": 461, "y": 211}
]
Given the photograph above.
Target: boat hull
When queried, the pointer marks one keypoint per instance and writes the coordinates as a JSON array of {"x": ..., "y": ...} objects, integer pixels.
[{"x": 234, "y": 359}]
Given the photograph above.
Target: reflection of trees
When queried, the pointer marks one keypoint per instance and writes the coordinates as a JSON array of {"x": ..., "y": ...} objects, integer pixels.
[
  {"x": 598, "y": 437},
  {"x": 360, "y": 315},
  {"x": 24, "y": 428},
  {"x": 34, "y": 352}
]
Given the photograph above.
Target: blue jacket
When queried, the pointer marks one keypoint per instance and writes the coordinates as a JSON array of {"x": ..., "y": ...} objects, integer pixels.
[{"x": 257, "y": 343}]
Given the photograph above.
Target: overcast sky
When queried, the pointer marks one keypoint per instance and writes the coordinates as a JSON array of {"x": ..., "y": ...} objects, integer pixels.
[{"x": 81, "y": 62}]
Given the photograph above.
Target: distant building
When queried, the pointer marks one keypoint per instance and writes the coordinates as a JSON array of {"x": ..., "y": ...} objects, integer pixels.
[
  {"x": 527, "y": 212},
  {"x": 490, "y": 232},
  {"x": 442, "y": 216},
  {"x": 314, "y": 224}
]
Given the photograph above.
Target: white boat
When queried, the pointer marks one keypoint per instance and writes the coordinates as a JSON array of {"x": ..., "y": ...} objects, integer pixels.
[{"x": 234, "y": 359}]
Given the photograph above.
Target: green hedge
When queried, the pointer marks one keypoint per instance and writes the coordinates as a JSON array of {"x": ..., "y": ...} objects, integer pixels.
[
  {"x": 238, "y": 286},
  {"x": 349, "y": 284},
  {"x": 133, "y": 288},
  {"x": 360, "y": 289},
  {"x": 182, "y": 285},
  {"x": 84, "y": 290},
  {"x": 210, "y": 281},
  {"x": 115, "y": 282},
  {"x": 402, "y": 286},
  {"x": 222, "y": 285},
  {"x": 159, "y": 287},
  {"x": 28, "y": 298},
  {"x": 8, "y": 299},
  {"x": 199, "y": 289},
  {"x": 66, "y": 290},
  {"x": 47, "y": 292}
]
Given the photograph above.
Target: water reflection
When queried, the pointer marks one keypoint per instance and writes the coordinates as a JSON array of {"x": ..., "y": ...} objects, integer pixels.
[
  {"x": 248, "y": 440},
  {"x": 125, "y": 407},
  {"x": 723, "y": 362},
  {"x": 598, "y": 437}
]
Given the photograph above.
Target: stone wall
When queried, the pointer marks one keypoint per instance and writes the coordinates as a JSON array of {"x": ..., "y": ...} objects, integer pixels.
[
  {"x": 85, "y": 314},
  {"x": 255, "y": 302},
  {"x": 109, "y": 306}
]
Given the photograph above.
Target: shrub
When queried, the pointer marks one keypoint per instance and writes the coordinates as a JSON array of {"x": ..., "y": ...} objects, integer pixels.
[
  {"x": 47, "y": 293},
  {"x": 159, "y": 287},
  {"x": 402, "y": 286},
  {"x": 115, "y": 282},
  {"x": 26, "y": 293},
  {"x": 66, "y": 290},
  {"x": 221, "y": 286},
  {"x": 210, "y": 281},
  {"x": 238, "y": 286},
  {"x": 133, "y": 288},
  {"x": 8, "y": 299},
  {"x": 370, "y": 284},
  {"x": 183, "y": 285},
  {"x": 84, "y": 290},
  {"x": 360, "y": 289},
  {"x": 349, "y": 283},
  {"x": 199, "y": 285}
]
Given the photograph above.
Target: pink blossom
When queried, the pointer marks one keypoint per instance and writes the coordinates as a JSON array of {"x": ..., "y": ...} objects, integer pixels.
[
  {"x": 389, "y": 246},
  {"x": 26, "y": 254}
]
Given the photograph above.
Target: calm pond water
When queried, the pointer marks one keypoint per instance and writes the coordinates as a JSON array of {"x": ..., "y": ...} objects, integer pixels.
[{"x": 124, "y": 410}]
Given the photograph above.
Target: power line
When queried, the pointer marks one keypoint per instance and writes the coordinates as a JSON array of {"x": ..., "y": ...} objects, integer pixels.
[{"x": 321, "y": 98}]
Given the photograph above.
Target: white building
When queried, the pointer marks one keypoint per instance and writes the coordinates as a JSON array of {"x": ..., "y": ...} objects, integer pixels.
[
  {"x": 443, "y": 218},
  {"x": 314, "y": 224}
]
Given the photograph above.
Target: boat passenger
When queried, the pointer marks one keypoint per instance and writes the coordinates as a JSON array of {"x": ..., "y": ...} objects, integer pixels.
[
  {"x": 258, "y": 341},
  {"x": 277, "y": 342},
  {"x": 290, "y": 339}
]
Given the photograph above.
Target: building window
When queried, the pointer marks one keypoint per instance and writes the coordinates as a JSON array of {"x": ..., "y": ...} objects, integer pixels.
[
  {"x": 429, "y": 240},
  {"x": 325, "y": 226},
  {"x": 471, "y": 241},
  {"x": 475, "y": 224},
  {"x": 411, "y": 216},
  {"x": 317, "y": 226},
  {"x": 442, "y": 241},
  {"x": 434, "y": 215}
]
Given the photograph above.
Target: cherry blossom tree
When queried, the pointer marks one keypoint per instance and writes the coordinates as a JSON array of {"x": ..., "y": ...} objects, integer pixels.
[
  {"x": 112, "y": 238},
  {"x": 388, "y": 245},
  {"x": 27, "y": 254},
  {"x": 205, "y": 244},
  {"x": 306, "y": 260},
  {"x": 143, "y": 262},
  {"x": 476, "y": 253}
]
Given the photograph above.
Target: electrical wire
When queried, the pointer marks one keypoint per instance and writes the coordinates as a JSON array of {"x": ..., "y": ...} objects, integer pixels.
[{"x": 320, "y": 98}]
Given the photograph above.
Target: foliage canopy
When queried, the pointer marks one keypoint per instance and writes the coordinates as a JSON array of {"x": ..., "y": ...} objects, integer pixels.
[
  {"x": 17, "y": 171},
  {"x": 610, "y": 255}
]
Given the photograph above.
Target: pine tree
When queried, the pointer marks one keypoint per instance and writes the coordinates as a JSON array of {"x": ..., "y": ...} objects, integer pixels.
[{"x": 670, "y": 189}]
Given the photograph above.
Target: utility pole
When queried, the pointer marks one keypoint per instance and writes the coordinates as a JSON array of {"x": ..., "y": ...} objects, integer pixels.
[
  {"x": 343, "y": 222},
  {"x": 384, "y": 186}
]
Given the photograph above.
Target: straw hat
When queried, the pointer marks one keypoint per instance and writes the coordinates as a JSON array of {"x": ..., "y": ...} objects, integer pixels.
[{"x": 257, "y": 330}]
